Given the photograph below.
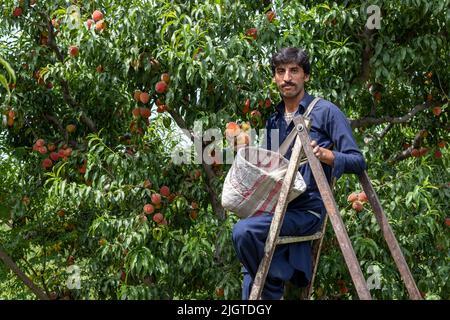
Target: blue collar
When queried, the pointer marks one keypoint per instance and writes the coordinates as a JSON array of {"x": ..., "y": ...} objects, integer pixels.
[{"x": 307, "y": 98}]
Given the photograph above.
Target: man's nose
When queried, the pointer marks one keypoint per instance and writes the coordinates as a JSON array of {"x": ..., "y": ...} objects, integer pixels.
[{"x": 287, "y": 76}]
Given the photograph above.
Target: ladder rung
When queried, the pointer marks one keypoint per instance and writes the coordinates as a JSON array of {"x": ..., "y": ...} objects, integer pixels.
[{"x": 292, "y": 239}]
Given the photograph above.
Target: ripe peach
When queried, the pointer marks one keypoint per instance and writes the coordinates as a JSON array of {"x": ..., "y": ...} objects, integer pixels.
[
  {"x": 437, "y": 111},
  {"x": 147, "y": 184},
  {"x": 82, "y": 169},
  {"x": 255, "y": 114},
  {"x": 97, "y": 15},
  {"x": 165, "y": 77},
  {"x": 245, "y": 126},
  {"x": 358, "y": 206},
  {"x": 352, "y": 197},
  {"x": 70, "y": 128},
  {"x": 438, "y": 154},
  {"x": 423, "y": 151},
  {"x": 100, "y": 25},
  {"x": 268, "y": 103},
  {"x": 40, "y": 142},
  {"x": 149, "y": 209},
  {"x": 447, "y": 221},
  {"x": 232, "y": 129},
  {"x": 99, "y": 68},
  {"x": 441, "y": 144},
  {"x": 158, "y": 217},
  {"x": 246, "y": 108},
  {"x": 194, "y": 205},
  {"x": 242, "y": 139},
  {"x": 144, "y": 97},
  {"x": 137, "y": 95},
  {"x": 343, "y": 289},
  {"x": 61, "y": 213},
  {"x": 46, "y": 163},
  {"x": 164, "y": 191},
  {"x": 252, "y": 32},
  {"x": 42, "y": 150},
  {"x": 162, "y": 108},
  {"x": 193, "y": 214},
  {"x": 142, "y": 218},
  {"x": 362, "y": 197},
  {"x": 17, "y": 12},
  {"x": 67, "y": 152},
  {"x": 197, "y": 174},
  {"x": 270, "y": 15},
  {"x": 136, "y": 112},
  {"x": 89, "y": 23},
  {"x": 156, "y": 198},
  {"x": 161, "y": 87},
  {"x": 415, "y": 153},
  {"x": 73, "y": 51},
  {"x": 145, "y": 112}
]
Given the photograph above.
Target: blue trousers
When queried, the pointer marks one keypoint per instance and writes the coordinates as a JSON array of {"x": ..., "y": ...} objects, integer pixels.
[{"x": 291, "y": 262}]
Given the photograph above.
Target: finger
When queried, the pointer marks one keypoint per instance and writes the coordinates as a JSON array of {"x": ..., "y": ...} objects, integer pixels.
[{"x": 313, "y": 143}]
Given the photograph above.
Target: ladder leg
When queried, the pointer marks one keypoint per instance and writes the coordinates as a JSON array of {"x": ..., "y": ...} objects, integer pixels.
[
  {"x": 277, "y": 221},
  {"x": 305, "y": 293},
  {"x": 335, "y": 218},
  {"x": 389, "y": 236}
]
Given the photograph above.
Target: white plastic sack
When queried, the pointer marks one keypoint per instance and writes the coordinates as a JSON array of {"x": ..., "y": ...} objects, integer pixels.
[{"x": 254, "y": 181}]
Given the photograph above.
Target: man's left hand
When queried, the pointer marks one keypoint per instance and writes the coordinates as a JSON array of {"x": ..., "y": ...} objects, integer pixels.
[{"x": 323, "y": 154}]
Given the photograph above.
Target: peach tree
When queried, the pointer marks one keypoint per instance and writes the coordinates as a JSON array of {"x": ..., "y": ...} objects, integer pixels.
[{"x": 93, "y": 204}]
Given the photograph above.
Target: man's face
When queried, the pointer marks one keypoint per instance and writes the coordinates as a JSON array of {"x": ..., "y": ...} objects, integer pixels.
[{"x": 290, "y": 79}]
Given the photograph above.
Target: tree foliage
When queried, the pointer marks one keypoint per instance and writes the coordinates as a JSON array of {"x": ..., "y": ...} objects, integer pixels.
[{"x": 79, "y": 88}]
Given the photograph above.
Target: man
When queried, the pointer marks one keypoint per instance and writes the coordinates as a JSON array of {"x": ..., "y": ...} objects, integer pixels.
[{"x": 304, "y": 215}]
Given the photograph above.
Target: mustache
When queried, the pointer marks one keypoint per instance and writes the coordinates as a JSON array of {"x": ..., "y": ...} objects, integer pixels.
[{"x": 286, "y": 84}]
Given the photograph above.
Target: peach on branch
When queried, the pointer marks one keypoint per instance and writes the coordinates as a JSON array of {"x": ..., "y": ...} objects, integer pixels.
[
  {"x": 73, "y": 51},
  {"x": 144, "y": 97},
  {"x": 232, "y": 129},
  {"x": 158, "y": 217},
  {"x": 357, "y": 206},
  {"x": 97, "y": 15},
  {"x": 352, "y": 197},
  {"x": 161, "y": 87},
  {"x": 156, "y": 198},
  {"x": 149, "y": 209},
  {"x": 165, "y": 77},
  {"x": 164, "y": 191}
]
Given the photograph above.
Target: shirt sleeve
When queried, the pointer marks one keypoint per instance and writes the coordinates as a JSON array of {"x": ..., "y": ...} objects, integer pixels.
[{"x": 348, "y": 157}]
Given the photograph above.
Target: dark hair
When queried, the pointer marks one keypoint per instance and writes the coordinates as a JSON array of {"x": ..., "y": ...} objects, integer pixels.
[{"x": 291, "y": 55}]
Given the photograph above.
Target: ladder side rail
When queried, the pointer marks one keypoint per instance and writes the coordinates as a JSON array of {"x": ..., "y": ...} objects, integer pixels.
[
  {"x": 277, "y": 221},
  {"x": 390, "y": 238},
  {"x": 335, "y": 218}
]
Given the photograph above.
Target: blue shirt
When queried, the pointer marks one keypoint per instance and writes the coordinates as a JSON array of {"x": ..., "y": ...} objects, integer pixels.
[{"x": 329, "y": 126}]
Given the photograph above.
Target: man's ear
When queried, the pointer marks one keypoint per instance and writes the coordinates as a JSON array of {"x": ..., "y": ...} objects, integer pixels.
[{"x": 306, "y": 77}]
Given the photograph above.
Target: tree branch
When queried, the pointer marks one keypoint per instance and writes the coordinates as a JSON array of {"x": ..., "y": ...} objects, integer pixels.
[
  {"x": 367, "y": 121},
  {"x": 22, "y": 276},
  {"x": 213, "y": 197},
  {"x": 64, "y": 84},
  {"x": 58, "y": 124},
  {"x": 407, "y": 152}
]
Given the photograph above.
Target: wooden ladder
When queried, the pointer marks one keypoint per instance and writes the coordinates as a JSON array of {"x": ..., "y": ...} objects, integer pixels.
[{"x": 302, "y": 143}]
